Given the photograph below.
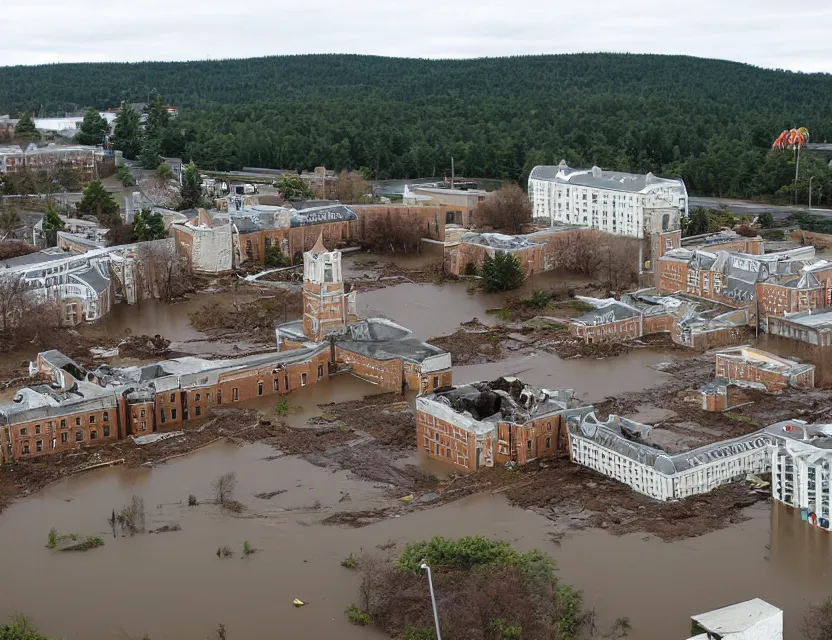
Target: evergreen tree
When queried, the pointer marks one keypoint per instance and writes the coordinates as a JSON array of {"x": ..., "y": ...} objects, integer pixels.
[
  {"x": 149, "y": 225},
  {"x": 98, "y": 202},
  {"x": 158, "y": 120},
  {"x": 127, "y": 133},
  {"x": 150, "y": 158},
  {"x": 93, "y": 129},
  {"x": 191, "y": 190},
  {"x": 501, "y": 273},
  {"x": 294, "y": 188},
  {"x": 51, "y": 224},
  {"x": 25, "y": 129}
]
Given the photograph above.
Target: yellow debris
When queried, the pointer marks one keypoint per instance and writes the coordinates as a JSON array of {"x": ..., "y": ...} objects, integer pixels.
[
  {"x": 298, "y": 603},
  {"x": 407, "y": 498}
]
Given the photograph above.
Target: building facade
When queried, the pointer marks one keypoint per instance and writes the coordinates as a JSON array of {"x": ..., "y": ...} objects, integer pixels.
[
  {"x": 89, "y": 163},
  {"x": 483, "y": 424},
  {"x": 746, "y": 365},
  {"x": 618, "y": 203}
]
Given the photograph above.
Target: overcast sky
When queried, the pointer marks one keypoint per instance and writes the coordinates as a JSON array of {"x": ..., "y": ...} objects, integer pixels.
[{"x": 766, "y": 33}]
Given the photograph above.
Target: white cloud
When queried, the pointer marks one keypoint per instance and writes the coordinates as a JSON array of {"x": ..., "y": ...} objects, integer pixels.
[{"x": 760, "y": 32}]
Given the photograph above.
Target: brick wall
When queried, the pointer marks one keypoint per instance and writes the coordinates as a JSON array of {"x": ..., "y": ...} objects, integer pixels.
[
  {"x": 749, "y": 371},
  {"x": 444, "y": 441},
  {"x": 627, "y": 328},
  {"x": 56, "y": 434},
  {"x": 431, "y": 218}
]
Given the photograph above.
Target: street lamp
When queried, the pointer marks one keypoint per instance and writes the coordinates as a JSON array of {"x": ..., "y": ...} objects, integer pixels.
[
  {"x": 810, "y": 192},
  {"x": 424, "y": 567}
]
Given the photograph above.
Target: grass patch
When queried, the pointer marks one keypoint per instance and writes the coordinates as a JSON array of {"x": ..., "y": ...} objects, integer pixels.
[
  {"x": 224, "y": 551},
  {"x": 739, "y": 417},
  {"x": 52, "y": 538},
  {"x": 350, "y": 562},
  {"x": 248, "y": 549},
  {"x": 83, "y": 543}
]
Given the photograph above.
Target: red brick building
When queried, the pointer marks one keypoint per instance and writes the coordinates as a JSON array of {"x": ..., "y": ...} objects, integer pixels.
[{"x": 746, "y": 365}]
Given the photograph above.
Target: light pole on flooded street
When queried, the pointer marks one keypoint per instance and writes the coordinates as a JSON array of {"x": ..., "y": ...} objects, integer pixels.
[{"x": 424, "y": 567}]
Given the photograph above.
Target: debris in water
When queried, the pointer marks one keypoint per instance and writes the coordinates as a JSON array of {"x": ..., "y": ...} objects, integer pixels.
[{"x": 298, "y": 602}]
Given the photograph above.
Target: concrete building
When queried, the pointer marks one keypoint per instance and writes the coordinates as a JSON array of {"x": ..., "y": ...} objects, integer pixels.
[
  {"x": 747, "y": 366},
  {"x": 616, "y": 448},
  {"x": 460, "y": 203},
  {"x": 73, "y": 407},
  {"x": 751, "y": 620},
  {"x": 813, "y": 327},
  {"x": 487, "y": 423},
  {"x": 537, "y": 252},
  {"x": 619, "y": 203},
  {"x": 800, "y": 474}
]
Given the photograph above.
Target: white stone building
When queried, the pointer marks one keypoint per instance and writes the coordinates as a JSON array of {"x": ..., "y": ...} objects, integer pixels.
[
  {"x": 801, "y": 468},
  {"x": 623, "y": 204},
  {"x": 612, "y": 449},
  {"x": 751, "y": 620}
]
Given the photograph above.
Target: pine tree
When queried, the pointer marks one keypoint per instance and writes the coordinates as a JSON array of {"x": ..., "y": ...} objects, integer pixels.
[
  {"x": 502, "y": 272},
  {"x": 127, "y": 133},
  {"x": 98, "y": 201},
  {"x": 93, "y": 129},
  {"x": 191, "y": 190},
  {"x": 25, "y": 129}
]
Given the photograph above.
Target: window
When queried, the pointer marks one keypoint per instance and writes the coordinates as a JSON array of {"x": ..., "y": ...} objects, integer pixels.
[
  {"x": 320, "y": 371},
  {"x": 286, "y": 382},
  {"x": 528, "y": 445},
  {"x": 37, "y": 429},
  {"x": 164, "y": 417},
  {"x": 208, "y": 397},
  {"x": 303, "y": 379},
  {"x": 548, "y": 443},
  {"x": 93, "y": 434},
  {"x": 275, "y": 385},
  {"x": 219, "y": 397},
  {"x": 235, "y": 394},
  {"x": 92, "y": 419},
  {"x": 197, "y": 410},
  {"x": 260, "y": 388},
  {"x": 173, "y": 414},
  {"x": 328, "y": 273},
  {"x": 63, "y": 424},
  {"x": 142, "y": 413},
  {"x": 268, "y": 242},
  {"x": 39, "y": 445},
  {"x": 106, "y": 416},
  {"x": 106, "y": 432},
  {"x": 64, "y": 437},
  {"x": 196, "y": 397},
  {"x": 173, "y": 397},
  {"x": 79, "y": 436},
  {"x": 435, "y": 381},
  {"x": 24, "y": 431},
  {"x": 77, "y": 421},
  {"x": 26, "y": 448},
  {"x": 548, "y": 426}
]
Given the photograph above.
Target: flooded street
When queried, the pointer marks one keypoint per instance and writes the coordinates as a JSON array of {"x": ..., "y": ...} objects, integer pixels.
[{"x": 178, "y": 577}]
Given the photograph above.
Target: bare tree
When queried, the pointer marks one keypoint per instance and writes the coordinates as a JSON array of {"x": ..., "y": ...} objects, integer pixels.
[
  {"x": 581, "y": 252},
  {"x": 11, "y": 299},
  {"x": 164, "y": 274},
  {"x": 507, "y": 209},
  {"x": 351, "y": 187},
  {"x": 817, "y": 623},
  {"x": 223, "y": 487},
  {"x": 392, "y": 234}
]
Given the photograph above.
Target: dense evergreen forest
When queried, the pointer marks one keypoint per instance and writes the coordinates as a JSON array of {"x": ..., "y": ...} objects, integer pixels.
[{"x": 711, "y": 122}]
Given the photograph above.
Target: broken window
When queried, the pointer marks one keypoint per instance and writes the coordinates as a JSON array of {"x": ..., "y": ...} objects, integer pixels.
[
  {"x": 528, "y": 445},
  {"x": 26, "y": 448},
  {"x": 79, "y": 436},
  {"x": 24, "y": 431},
  {"x": 63, "y": 424},
  {"x": 173, "y": 397},
  {"x": 219, "y": 397},
  {"x": 435, "y": 381},
  {"x": 235, "y": 394},
  {"x": 64, "y": 437},
  {"x": 196, "y": 397},
  {"x": 164, "y": 416},
  {"x": 548, "y": 443},
  {"x": 39, "y": 445},
  {"x": 106, "y": 432},
  {"x": 548, "y": 426},
  {"x": 208, "y": 397},
  {"x": 37, "y": 429},
  {"x": 198, "y": 411},
  {"x": 142, "y": 413},
  {"x": 173, "y": 414},
  {"x": 276, "y": 384},
  {"x": 286, "y": 382},
  {"x": 92, "y": 418},
  {"x": 93, "y": 435},
  {"x": 260, "y": 388},
  {"x": 320, "y": 371},
  {"x": 106, "y": 416},
  {"x": 303, "y": 379}
]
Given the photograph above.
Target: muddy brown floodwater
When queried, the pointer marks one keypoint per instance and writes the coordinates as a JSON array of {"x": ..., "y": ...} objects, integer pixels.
[{"x": 173, "y": 584}]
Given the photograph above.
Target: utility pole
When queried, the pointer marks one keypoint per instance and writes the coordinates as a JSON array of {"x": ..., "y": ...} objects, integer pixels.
[
  {"x": 810, "y": 192},
  {"x": 424, "y": 566},
  {"x": 452, "y": 172}
]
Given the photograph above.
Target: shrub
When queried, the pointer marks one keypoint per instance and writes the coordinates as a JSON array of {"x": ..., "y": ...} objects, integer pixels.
[
  {"x": 224, "y": 551},
  {"x": 192, "y": 501},
  {"x": 502, "y": 273},
  {"x": 357, "y": 616},
  {"x": 350, "y": 562},
  {"x": 248, "y": 549},
  {"x": 419, "y": 633},
  {"x": 52, "y": 538},
  {"x": 470, "y": 269},
  {"x": 459, "y": 553},
  {"x": 282, "y": 407},
  {"x": 539, "y": 299},
  {"x": 274, "y": 258}
]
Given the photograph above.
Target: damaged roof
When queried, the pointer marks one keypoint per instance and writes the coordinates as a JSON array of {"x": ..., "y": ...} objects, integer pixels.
[
  {"x": 600, "y": 179},
  {"x": 383, "y": 339}
]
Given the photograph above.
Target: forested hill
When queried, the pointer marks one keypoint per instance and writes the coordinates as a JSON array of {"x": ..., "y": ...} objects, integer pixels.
[{"x": 710, "y": 121}]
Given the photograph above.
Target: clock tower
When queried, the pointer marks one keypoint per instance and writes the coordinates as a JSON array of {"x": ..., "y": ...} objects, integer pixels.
[{"x": 326, "y": 307}]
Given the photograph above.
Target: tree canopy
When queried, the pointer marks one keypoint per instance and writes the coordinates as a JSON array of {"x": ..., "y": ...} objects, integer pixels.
[
  {"x": 93, "y": 129},
  {"x": 149, "y": 225},
  {"x": 502, "y": 272},
  {"x": 127, "y": 133},
  {"x": 709, "y": 121},
  {"x": 97, "y": 200},
  {"x": 190, "y": 192}
]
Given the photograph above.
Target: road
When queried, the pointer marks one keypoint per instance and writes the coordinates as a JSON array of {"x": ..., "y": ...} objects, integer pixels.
[{"x": 744, "y": 208}]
